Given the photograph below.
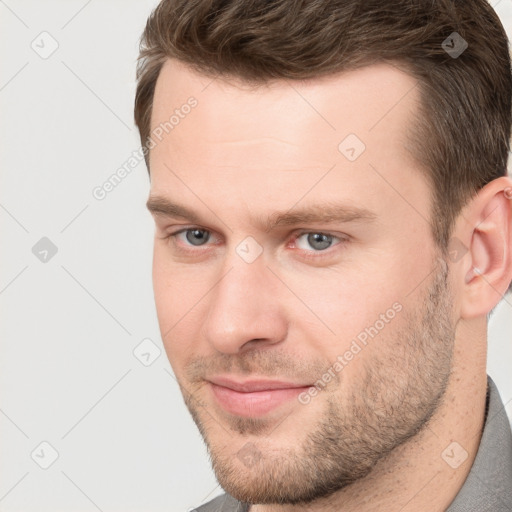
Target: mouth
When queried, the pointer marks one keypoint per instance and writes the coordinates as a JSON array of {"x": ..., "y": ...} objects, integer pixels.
[{"x": 253, "y": 398}]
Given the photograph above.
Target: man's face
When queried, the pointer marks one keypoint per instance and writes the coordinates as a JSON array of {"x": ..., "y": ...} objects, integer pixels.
[{"x": 303, "y": 307}]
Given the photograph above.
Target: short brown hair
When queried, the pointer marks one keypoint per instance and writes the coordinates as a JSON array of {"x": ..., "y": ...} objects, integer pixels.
[{"x": 462, "y": 130}]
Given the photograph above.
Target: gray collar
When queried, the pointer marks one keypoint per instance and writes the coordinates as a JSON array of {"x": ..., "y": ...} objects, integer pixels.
[{"x": 488, "y": 486}]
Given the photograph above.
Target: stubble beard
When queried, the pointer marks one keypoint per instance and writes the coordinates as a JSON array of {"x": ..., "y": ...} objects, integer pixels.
[{"x": 399, "y": 390}]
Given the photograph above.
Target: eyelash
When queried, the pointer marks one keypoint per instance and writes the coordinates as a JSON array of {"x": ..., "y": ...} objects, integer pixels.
[{"x": 313, "y": 255}]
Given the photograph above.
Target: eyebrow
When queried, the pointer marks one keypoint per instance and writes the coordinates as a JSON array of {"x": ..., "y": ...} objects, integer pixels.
[{"x": 329, "y": 212}]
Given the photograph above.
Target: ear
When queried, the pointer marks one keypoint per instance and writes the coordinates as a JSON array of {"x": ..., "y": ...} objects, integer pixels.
[{"x": 487, "y": 271}]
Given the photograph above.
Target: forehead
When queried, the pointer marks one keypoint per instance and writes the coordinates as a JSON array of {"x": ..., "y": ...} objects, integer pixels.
[
  {"x": 363, "y": 96},
  {"x": 285, "y": 134}
]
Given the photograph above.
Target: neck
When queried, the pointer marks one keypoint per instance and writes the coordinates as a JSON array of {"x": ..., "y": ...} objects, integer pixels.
[{"x": 425, "y": 473}]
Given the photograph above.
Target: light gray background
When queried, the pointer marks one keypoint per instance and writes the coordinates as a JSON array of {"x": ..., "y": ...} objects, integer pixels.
[{"x": 69, "y": 327}]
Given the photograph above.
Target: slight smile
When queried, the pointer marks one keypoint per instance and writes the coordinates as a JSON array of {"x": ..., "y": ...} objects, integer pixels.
[{"x": 253, "y": 398}]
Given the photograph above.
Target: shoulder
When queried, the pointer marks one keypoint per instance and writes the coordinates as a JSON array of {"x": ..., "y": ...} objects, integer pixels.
[{"x": 222, "y": 503}]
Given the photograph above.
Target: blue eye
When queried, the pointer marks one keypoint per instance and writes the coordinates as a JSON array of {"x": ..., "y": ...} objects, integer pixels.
[
  {"x": 195, "y": 236},
  {"x": 318, "y": 241},
  {"x": 313, "y": 244}
]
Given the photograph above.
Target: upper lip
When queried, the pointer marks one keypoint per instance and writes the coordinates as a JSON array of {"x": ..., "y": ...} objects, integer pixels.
[{"x": 251, "y": 385}]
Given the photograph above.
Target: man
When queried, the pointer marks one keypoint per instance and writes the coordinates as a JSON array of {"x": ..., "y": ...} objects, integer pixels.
[{"x": 333, "y": 226}]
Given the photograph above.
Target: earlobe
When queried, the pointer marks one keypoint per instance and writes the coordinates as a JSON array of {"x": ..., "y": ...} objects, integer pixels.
[{"x": 489, "y": 271}]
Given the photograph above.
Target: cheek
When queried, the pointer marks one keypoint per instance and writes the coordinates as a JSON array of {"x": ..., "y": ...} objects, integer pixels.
[
  {"x": 179, "y": 299},
  {"x": 365, "y": 323},
  {"x": 337, "y": 306},
  {"x": 164, "y": 288},
  {"x": 175, "y": 286}
]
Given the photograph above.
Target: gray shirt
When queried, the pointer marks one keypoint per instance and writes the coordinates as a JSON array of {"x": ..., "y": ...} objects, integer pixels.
[{"x": 488, "y": 486}]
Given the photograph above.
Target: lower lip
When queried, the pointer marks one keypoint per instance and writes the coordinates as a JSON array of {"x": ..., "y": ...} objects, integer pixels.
[{"x": 256, "y": 403}]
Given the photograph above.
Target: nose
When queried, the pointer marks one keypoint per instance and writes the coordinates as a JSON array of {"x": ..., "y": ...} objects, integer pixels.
[{"x": 245, "y": 310}]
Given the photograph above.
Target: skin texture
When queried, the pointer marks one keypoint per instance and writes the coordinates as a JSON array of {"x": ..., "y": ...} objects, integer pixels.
[{"x": 373, "y": 437}]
